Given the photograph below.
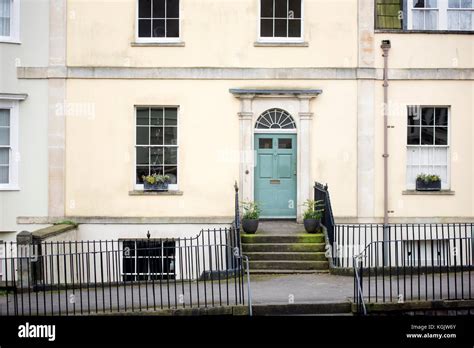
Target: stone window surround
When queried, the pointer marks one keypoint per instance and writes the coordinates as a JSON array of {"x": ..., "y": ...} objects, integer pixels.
[{"x": 253, "y": 103}]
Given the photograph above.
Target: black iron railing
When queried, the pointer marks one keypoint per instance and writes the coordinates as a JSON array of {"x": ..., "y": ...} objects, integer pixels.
[
  {"x": 85, "y": 277},
  {"x": 433, "y": 267},
  {"x": 321, "y": 193}
]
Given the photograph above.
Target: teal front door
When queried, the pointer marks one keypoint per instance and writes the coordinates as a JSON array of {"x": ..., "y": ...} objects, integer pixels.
[{"x": 275, "y": 175}]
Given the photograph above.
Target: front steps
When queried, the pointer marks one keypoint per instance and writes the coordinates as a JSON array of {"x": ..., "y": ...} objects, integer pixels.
[{"x": 285, "y": 254}]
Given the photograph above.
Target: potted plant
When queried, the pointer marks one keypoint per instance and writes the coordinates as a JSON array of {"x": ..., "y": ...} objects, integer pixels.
[
  {"x": 428, "y": 182},
  {"x": 156, "y": 182},
  {"x": 312, "y": 215},
  {"x": 251, "y": 214}
]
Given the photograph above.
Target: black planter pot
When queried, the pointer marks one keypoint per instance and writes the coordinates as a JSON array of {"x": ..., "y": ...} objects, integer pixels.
[
  {"x": 250, "y": 226},
  {"x": 422, "y": 185},
  {"x": 311, "y": 225}
]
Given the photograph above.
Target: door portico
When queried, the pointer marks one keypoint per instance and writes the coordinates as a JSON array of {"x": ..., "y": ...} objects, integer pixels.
[{"x": 254, "y": 102}]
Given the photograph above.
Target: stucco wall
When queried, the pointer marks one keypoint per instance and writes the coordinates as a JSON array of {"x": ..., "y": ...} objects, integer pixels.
[
  {"x": 216, "y": 33},
  {"x": 100, "y": 150},
  {"x": 31, "y": 199}
]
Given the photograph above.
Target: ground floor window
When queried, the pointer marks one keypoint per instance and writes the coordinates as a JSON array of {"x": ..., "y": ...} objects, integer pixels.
[
  {"x": 157, "y": 142},
  {"x": 148, "y": 260},
  {"x": 9, "y": 155},
  {"x": 428, "y": 144}
]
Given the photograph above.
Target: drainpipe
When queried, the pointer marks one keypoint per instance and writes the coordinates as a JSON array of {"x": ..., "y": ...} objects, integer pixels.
[{"x": 385, "y": 48}]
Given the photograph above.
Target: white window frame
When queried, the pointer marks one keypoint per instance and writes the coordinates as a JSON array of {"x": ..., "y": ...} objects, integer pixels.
[
  {"x": 141, "y": 187},
  {"x": 139, "y": 39},
  {"x": 14, "y": 155},
  {"x": 14, "y": 36},
  {"x": 411, "y": 186},
  {"x": 279, "y": 39},
  {"x": 442, "y": 16}
]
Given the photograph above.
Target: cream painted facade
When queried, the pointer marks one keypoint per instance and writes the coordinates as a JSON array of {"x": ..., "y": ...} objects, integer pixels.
[{"x": 107, "y": 73}]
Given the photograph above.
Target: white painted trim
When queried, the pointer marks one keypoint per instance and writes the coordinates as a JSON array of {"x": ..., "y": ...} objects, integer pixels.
[
  {"x": 276, "y": 131},
  {"x": 279, "y": 39},
  {"x": 14, "y": 156},
  {"x": 14, "y": 24},
  {"x": 159, "y": 39},
  {"x": 140, "y": 187}
]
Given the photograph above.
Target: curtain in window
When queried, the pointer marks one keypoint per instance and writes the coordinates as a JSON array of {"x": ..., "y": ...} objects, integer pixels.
[
  {"x": 5, "y": 13},
  {"x": 389, "y": 14}
]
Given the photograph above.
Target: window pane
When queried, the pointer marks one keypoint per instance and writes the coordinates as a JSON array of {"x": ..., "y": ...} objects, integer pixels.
[
  {"x": 172, "y": 28},
  {"x": 156, "y": 117},
  {"x": 143, "y": 155},
  {"x": 143, "y": 136},
  {"x": 158, "y": 8},
  {"x": 4, "y": 136},
  {"x": 5, "y": 17},
  {"x": 413, "y": 136},
  {"x": 453, "y": 20},
  {"x": 281, "y": 8},
  {"x": 388, "y": 14},
  {"x": 419, "y": 3},
  {"x": 266, "y": 29},
  {"x": 266, "y": 8},
  {"x": 281, "y": 28},
  {"x": 144, "y": 9},
  {"x": 466, "y": 3},
  {"x": 144, "y": 28},
  {"x": 141, "y": 171},
  {"x": 454, "y": 3},
  {"x": 172, "y": 8},
  {"x": 427, "y": 116},
  {"x": 427, "y": 135},
  {"x": 418, "y": 20},
  {"x": 172, "y": 171},
  {"x": 441, "y": 116},
  {"x": 4, "y": 157},
  {"x": 171, "y": 117},
  {"x": 156, "y": 136},
  {"x": 441, "y": 136},
  {"x": 265, "y": 143},
  {"x": 171, "y": 136},
  {"x": 171, "y": 155},
  {"x": 431, "y": 20},
  {"x": 158, "y": 170},
  {"x": 284, "y": 143},
  {"x": 431, "y": 3},
  {"x": 158, "y": 28},
  {"x": 294, "y": 28},
  {"x": 295, "y": 6},
  {"x": 465, "y": 20},
  {"x": 143, "y": 116},
  {"x": 156, "y": 156}
]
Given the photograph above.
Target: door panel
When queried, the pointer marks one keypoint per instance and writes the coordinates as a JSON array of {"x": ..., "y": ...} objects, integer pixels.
[{"x": 275, "y": 174}]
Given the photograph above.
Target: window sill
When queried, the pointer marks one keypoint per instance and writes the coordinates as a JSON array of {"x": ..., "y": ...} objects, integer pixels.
[
  {"x": 9, "y": 188},
  {"x": 280, "y": 44},
  {"x": 158, "y": 44},
  {"x": 12, "y": 42},
  {"x": 429, "y": 193},
  {"x": 400, "y": 31},
  {"x": 154, "y": 193}
]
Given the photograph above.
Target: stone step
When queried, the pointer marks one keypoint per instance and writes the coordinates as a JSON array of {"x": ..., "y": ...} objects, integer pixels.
[
  {"x": 289, "y": 265},
  {"x": 301, "y": 256},
  {"x": 318, "y": 308},
  {"x": 283, "y": 247},
  {"x": 291, "y": 238}
]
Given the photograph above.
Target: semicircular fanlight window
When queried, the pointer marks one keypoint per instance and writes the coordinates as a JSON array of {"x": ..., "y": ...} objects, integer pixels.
[{"x": 275, "y": 119}]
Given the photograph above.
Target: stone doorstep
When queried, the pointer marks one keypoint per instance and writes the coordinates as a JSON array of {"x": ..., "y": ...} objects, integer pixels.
[{"x": 417, "y": 306}]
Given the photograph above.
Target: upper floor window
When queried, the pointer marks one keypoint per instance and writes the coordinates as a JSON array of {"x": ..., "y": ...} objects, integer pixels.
[
  {"x": 281, "y": 20},
  {"x": 158, "y": 20},
  {"x": 9, "y": 20},
  {"x": 455, "y": 15}
]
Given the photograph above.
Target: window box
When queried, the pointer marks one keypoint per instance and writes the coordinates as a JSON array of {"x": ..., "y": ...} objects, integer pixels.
[
  {"x": 160, "y": 186},
  {"x": 422, "y": 185}
]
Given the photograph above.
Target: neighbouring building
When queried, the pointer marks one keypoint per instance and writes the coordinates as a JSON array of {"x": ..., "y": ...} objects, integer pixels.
[{"x": 272, "y": 94}]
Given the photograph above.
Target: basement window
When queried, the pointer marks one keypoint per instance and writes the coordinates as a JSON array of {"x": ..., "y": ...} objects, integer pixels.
[{"x": 148, "y": 260}]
